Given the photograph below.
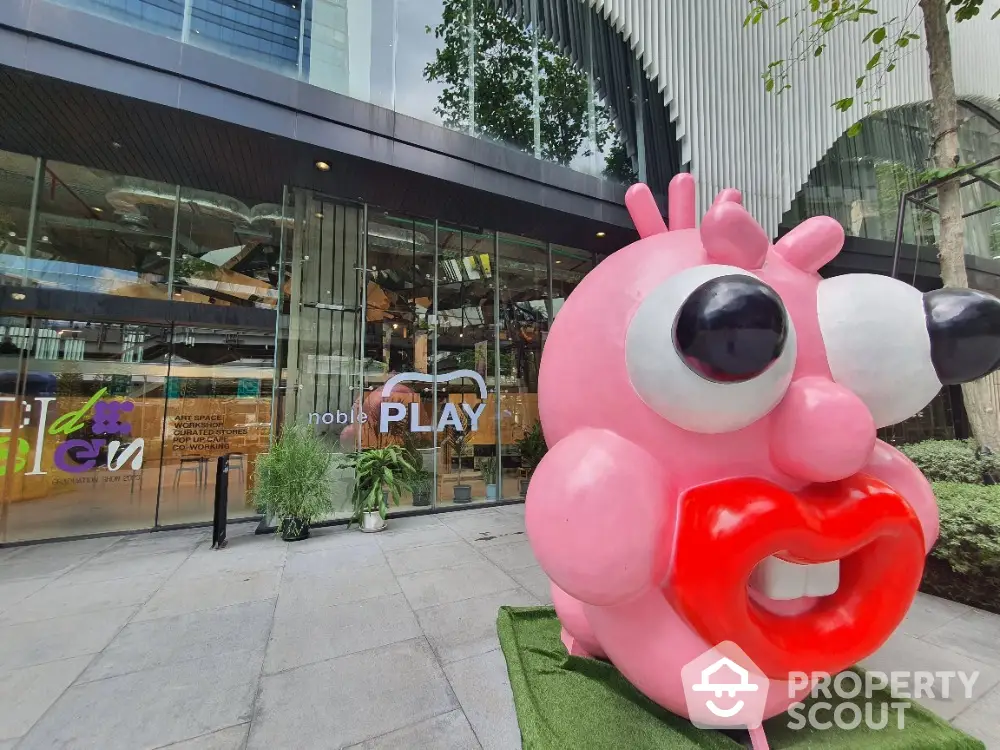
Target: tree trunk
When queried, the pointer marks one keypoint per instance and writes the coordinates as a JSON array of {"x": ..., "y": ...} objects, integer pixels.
[{"x": 977, "y": 395}]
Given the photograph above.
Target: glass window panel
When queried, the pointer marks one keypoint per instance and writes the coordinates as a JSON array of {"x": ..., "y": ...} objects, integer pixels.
[
  {"x": 227, "y": 253},
  {"x": 17, "y": 179},
  {"x": 524, "y": 320},
  {"x": 101, "y": 233},
  {"x": 466, "y": 342},
  {"x": 569, "y": 266},
  {"x": 399, "y": 344},
  {"x": 218, "y": 402},
  {"x": 165, "y": 17},
  {"x": 90, "y": 411}
]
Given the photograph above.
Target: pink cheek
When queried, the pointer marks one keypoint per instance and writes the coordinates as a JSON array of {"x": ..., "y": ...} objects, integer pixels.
[{"x": 821, "y": 432}]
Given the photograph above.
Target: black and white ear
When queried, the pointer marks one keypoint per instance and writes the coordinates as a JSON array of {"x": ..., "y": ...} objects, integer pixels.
[{"x": 894, "y": 346}]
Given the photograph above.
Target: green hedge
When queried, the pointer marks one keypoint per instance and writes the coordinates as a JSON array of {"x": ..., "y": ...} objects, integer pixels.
[
  {"x": 951, "y": 460},
  {"x": 970, "y": 527}
]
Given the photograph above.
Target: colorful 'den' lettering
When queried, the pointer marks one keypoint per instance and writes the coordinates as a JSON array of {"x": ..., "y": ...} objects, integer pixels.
[{"x": 724, "y": 482}]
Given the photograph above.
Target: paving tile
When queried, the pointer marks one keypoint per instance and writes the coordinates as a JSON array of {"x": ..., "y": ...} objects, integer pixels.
[
  {"x": 346, "y": 587},
  {"x": 980, "y": 719},
  {"x": 162, "y": 541},
  {"x": 393, "y": 539},
  {"x": 61, "y": 599},
  {"x": 51, "y": 559},
  {"x": 333, "y": 561},
  {"x": 482, "y": 687},
  {"x": 215, "y": 562},
  {"x": 179, "y": 596},
  {"x": 434, "y": 587},
  {"x": 975, "y": 634},
  {"x": 927, "y": 613},
  {"x": 512, "y": 555},
  {"x": 150, "y": 708},
  {"x": 908, "y": 654},
  {"x": 62, "y": 638},
  {"x": 406, "y": 561},
  {"x": 410, "y": 523},
  {"x": 308, "y": 636},
  {"x": 450, "y": 731},
  {"x": 187, "y": 637},
  {"x": 469, "y": 627},
  {"x": 231, "y": 738},
  {"x": 536, "y": 582},
  {"x": 15, "y": 591},
  {"x": 331, "y": 536},
  {"x": 8, "y": 744},
  {"x": 345, "y": 701},
  {"x": 108, "y": 569},
  {"x": 25, "y": 694}
]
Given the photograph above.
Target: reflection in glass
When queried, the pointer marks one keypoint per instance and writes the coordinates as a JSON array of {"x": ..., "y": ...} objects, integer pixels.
[
  {"x": 466, "y": 341},
  {"x": 398, "y": 340},
  {"x": 227, "y": 253},
  {"x": 524, "y": 318},
  {"x": 17, "y": 179},
  {"x": 861, "y": 180}
]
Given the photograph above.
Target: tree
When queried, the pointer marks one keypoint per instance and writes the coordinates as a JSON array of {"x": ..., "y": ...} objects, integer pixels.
[
  {"x": 887, "y": 38},
  {"x": 501, "y": 94}
]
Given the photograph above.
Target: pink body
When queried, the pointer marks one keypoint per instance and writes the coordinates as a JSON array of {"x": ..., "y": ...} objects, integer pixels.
[{"x": 602, "y": 506}]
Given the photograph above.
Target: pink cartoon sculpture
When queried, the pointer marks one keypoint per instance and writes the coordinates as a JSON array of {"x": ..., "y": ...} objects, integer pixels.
[{"x": 714, "y": 475}]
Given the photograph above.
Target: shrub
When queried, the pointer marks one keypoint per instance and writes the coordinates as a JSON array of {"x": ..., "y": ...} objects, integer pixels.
[
  {"x": 970, "y": 528},
  {"x": 294, "y": 479},
  {"x": 949, "y": 460}
]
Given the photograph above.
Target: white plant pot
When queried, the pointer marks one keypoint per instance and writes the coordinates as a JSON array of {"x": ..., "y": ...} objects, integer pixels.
[{"x": 372, "y": 521}]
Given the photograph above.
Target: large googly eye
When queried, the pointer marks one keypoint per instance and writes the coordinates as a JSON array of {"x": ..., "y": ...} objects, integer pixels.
[
  {"x": 711, "y": 349},
  {"x": 877, "y": 343}
]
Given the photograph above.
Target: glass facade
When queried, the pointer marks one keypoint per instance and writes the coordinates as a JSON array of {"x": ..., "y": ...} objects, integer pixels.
[
  {"x": 860, "y": 180},
  {"x": 111, "y": 426},
  {"x": 389, "y": 330},
  {"x": 488, "y": 68}
]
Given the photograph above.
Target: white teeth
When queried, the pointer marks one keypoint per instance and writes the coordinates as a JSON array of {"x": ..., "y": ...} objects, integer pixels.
[{"x": 781, "y": 580}]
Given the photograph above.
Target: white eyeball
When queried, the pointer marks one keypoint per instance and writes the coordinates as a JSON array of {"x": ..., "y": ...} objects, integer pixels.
[
  {"x": 711, "y": 349},
  {"x": 877, "y": 345}
]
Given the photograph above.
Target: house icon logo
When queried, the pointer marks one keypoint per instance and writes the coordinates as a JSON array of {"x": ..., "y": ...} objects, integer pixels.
[{"x": 723, "y": 689}]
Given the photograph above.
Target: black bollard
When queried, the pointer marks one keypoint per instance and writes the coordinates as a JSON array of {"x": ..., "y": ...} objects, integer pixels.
[{"x": 221, "y": 503}]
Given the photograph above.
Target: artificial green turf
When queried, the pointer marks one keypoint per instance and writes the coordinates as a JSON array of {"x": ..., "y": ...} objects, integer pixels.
[{"x": 570, "y": 703}]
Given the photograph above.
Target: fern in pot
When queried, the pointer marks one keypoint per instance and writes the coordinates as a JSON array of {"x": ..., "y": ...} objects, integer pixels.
[
  {"x": 293, "y": 482},
  {"x": 381, "y": 475}
]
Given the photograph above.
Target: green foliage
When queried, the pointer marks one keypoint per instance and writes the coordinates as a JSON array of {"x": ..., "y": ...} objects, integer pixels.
[
  {"x": 950, "y": 460},
  {"x": 488, "y": 468},
  {"x": 458, "y": 439},
  {"x": 381, "y": 475},
  {"x": 294, "y": 479},
  {"x": 190, "y": 267},
  {"x": 502, "y": 95},
  {"x": 881, "y": 46},
  {"x": 970, "y": 527},
  {"x": 532, "y": 447}
]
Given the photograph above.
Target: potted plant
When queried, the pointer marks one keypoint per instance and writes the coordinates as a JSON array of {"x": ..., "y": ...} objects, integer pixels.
[
  {"x": 422, "y": 487},
  {"x": 293, "y": 482},
  {"x": 488, "y": 468},
  {"x": 381, "y": 475},
  {"x": 458, "y": 439},
  {"x": 532, "y": 448}
]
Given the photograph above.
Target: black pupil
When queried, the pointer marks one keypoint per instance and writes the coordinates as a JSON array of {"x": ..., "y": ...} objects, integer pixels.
[{"x": 731, "y": 329}]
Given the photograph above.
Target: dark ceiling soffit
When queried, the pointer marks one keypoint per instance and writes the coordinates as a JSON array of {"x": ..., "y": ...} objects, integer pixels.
[{"x": 67, "y": 305}]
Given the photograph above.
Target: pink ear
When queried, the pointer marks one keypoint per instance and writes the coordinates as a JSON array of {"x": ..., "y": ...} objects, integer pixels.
[
  {"x": 729, "y": 195},
  {"x": 644, "y": 211},
  {"x": 733, "y": 237},
  {"x": 812, "y": 244},
  {"x": 680, "y": 202}
]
